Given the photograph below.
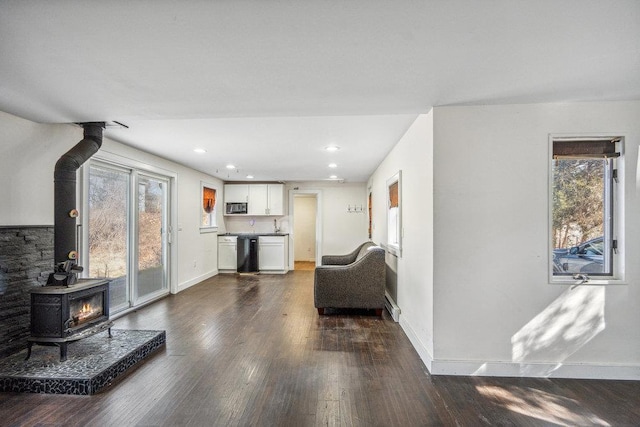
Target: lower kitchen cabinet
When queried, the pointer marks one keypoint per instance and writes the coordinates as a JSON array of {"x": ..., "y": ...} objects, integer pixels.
[
  {"x": 273, "y": 254},
  {"x": 228, "y": 253}
]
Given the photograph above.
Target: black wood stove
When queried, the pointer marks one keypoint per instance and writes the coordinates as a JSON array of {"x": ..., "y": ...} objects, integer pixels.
[
  {"x": 68, "y": 309},
  {"x": 63, "y": 314}
]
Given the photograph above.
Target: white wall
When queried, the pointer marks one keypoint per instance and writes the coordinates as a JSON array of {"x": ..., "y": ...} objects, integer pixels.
[
  {"x": 494, "y": 310},
  {"x": 413, "y": 155},
  {"x": 28, "y": 153}
]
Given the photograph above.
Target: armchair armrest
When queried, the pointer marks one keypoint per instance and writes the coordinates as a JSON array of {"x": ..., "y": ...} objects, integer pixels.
[
  {"x": 343, "y": 259},
  {"x": 339, "y": 259}
]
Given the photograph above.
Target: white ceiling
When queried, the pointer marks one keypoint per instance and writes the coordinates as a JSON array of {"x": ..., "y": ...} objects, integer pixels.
[{"x": 266, "y": 85}]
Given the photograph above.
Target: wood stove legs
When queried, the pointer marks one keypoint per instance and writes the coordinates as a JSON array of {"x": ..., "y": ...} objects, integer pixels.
[
  {"x": 63, "y": 351},
  {"x": 29, "y": 345},
  {"x": 63, "y": 343}
]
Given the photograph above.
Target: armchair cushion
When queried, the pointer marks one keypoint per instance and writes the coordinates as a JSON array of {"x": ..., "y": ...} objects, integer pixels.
[{"x": 355, "y": 280}]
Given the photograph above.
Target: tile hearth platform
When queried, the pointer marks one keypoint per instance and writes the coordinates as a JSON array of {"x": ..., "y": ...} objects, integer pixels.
[{"x": 92, "y": 364}]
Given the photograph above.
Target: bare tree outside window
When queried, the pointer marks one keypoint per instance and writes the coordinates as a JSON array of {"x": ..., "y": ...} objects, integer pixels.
[
  {"x": 108, "y": 230},
  {"x": 108, "y": 196},
  {"x": 578, "y": 201},
  {"x": 150, "y": 215}
]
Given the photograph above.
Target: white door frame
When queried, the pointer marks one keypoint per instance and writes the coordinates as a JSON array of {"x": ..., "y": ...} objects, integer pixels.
[{"x": 318, "y": 194}]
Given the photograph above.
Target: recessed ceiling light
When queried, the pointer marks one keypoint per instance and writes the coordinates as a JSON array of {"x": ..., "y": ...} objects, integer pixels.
[
  {"x": 200, "y": 150},
  {"x": 230, "y": 167},
  {"x": 249, "y": 176},
  {"x": 332, "y": 148},
  {"x": 333, "y": 165}
]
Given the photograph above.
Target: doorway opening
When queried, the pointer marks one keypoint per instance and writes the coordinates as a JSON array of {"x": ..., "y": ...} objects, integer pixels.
[{"x": 306, "y": 236}]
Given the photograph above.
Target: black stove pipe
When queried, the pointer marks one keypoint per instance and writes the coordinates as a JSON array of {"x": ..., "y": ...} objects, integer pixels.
[{"x": 65, "y": 191}]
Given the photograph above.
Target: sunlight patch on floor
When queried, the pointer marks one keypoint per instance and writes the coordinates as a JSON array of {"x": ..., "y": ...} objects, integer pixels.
[{"x": 541, "y": 405}]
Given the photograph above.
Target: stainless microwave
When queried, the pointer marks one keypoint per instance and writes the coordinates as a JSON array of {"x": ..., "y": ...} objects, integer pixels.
[{"x": 236, "y": 208}]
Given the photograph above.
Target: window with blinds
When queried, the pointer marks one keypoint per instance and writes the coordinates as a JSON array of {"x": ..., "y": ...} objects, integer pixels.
[
  {"x": 208, "y": 208},
  {"x": 394, "y": 214},
  {"x": 583, "y": 207}
]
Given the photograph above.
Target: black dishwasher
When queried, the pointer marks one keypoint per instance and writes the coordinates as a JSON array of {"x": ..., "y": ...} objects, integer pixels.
[{"x": 247, "y": 254}]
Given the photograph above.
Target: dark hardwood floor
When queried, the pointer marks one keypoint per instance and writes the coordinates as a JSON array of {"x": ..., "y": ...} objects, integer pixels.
[{"x": 252, "y": 350}]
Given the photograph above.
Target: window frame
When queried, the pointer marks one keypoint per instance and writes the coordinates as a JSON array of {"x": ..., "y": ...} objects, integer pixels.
[
  {"x": 212, "y": 227},
  {"x": 616, "y": 208},
  {"x": 394, "y": 247}
]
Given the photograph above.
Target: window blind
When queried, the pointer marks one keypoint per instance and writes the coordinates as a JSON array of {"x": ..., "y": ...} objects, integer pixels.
[
  {"x": 393, "y": 195},
  {"x": 598, "y": 149},
  {"x": 208, "y": 199}
]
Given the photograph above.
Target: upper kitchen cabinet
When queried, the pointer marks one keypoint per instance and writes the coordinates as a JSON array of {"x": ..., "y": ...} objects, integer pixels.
[
  {"x": 261, "y": 199},
  {"x": 276, "y": 199},
  {"x": 236, "y": 193},
  {"x": 266, "y": 199}
]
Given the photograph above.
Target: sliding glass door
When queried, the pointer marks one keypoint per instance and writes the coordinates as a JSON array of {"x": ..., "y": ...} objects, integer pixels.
[
  {"x": 151, "y": 254},
  {"x": 126, "y": 240},
  {"x": 108, "y": 231}
]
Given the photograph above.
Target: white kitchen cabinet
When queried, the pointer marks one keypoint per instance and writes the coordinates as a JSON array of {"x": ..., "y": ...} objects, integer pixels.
[
  {"x": 273, "y": 254},
  {"x": 276, "y": 199},
  {"x": 266, "y": 199},
  {"x": 258, "y": 199},
  {"x": 261, "y": 199},
  {"x": 236, "y": 193},
  {"x": 228, "y": 253}
]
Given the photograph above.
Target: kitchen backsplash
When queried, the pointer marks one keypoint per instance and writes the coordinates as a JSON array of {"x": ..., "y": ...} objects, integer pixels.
[{"x": 253, "y": 224}]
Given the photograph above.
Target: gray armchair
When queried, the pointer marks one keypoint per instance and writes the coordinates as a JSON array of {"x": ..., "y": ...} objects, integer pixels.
[{"x": 355, "y": 280}]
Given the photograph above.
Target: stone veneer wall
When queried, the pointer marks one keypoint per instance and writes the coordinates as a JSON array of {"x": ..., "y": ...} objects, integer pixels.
[{"x": 26, "y": 259}]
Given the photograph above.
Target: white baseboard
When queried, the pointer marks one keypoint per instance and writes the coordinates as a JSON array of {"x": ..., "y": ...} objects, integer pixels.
[
  {"x": 395, "y": 312},
  {"x": 184, "y": 285},
  {"x": 422, "y": 350},
  {"x": 535, "y": 370}
]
